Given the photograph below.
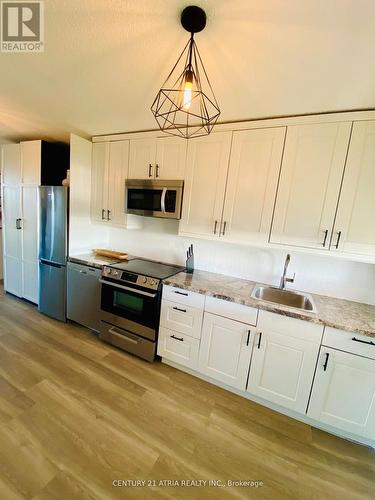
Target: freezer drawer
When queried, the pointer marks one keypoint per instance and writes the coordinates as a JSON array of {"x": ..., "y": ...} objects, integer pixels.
[
  {"x": 83, "y": 297},
  {"x": 52, "y": 290}
]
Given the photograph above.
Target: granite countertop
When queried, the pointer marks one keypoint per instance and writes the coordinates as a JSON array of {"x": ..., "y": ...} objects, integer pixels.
[
  {"x": 90, "y": 259},
  {"x": 337, "y": 313}
]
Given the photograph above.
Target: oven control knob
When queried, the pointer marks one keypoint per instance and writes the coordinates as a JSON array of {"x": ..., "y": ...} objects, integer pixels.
[{"x": 145, "y": 281}]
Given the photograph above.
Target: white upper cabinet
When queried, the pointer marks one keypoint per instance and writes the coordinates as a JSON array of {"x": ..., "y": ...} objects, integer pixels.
[
  {"x": 205, "y": 180},
  {"x": 31, "y": 160},
  {"x": 170, "y": 158},
  {"x": 99, "y": 181},
  {"x": 117, "y": 174},
  {"x": 284, "y": 359},
  {"x": 252, "y": 183},
  {"x": 311, "y": 174},
  {"x": 225, "y": 350},
  {"x": 343, "y": 394},
  {"x": 354, "y": 230},
  {"x": 142, "y": 158},
  {"x": 157, "y": 158},
  {"x": 11, "y": 164},
  {"x": 109, "y": 171}
]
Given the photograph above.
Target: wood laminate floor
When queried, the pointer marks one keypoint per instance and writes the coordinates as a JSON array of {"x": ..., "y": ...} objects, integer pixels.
[{"x": 77, "y": 414}]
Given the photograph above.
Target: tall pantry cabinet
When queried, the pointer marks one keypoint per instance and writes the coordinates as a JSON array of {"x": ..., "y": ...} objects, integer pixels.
[{"x": 25, "y": 167}]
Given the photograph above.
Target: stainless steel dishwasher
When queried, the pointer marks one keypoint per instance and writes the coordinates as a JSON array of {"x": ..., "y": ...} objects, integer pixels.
[{"x": 83, "y": 300}]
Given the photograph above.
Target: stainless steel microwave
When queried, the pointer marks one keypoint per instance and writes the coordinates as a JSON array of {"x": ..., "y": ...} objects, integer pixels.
[{"x": 154, "y": 198}]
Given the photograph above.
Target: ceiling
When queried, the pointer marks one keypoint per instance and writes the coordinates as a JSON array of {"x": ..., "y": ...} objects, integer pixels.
[{"x": 105, "y": 60}]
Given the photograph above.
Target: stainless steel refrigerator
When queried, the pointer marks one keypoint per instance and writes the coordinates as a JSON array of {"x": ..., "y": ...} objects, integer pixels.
[{"x": 53, "y": 250}]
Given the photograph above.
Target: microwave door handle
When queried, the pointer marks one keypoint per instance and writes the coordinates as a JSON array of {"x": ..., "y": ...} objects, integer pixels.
[
  {"x": 122, "y": 287},
  {"x": 162, "y": 202}
]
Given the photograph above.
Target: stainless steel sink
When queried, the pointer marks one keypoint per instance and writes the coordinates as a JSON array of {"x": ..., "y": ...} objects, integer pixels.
[{"x": 296, "y": 300}]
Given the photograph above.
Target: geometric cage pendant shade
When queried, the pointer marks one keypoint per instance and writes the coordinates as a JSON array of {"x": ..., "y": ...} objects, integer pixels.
[{"x": 186, "y": 105}]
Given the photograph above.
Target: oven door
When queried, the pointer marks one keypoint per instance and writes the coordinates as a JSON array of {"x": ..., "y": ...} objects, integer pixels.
[
  {"x": 153, "y": 199},
  {"x": 135, "y": 310}
]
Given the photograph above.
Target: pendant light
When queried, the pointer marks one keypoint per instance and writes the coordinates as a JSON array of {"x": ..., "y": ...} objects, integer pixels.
[{"x": 186, "y": 105}]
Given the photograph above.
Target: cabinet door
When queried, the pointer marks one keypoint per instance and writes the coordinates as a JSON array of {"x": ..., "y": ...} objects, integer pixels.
[
  {"x": 12, "y": 240},
  {"x": 354, "y": 224},
  {"x": 99, "y": 181},
  {"x": 282, "y": 369},
  {"x": 225, "y": 350},
  {"x": 11, "y": 164},
  {"x": 30, "y": 200},
  {"x": 343, "y": 394},
  {"x": 252, "y": 183},
  {"x": 205, "y": 179},
  {"x": 118, "y": 171},
  {"x": 311, "y": 173},
  {"x": 142, "y": 158},
  {"x": 170, "y": 158},
  {"x": 31, "y": 159}
]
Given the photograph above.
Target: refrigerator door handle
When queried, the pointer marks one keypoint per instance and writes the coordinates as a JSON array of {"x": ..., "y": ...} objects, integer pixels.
[{"x": 50, "y": 263}]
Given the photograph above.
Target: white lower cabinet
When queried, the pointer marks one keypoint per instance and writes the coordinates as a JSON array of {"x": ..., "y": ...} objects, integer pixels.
[
  {"x": 343, "y": 394},
  {"x": 284, "y": 359},
  {"x": 182, "y": 318},
  {"x": 225, "y": 350},
  {"x": 178, "y": 347}
]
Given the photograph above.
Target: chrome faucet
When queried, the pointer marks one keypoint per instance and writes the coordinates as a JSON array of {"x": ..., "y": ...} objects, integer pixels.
[{"x": 284, "y": 279}]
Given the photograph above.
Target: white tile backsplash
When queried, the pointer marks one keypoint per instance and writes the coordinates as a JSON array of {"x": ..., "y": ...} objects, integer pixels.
[{"x": 316, "y": 274}]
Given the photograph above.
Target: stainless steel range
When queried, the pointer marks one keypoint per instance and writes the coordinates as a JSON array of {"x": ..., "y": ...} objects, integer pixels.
[{"x": 130, "y": 304}]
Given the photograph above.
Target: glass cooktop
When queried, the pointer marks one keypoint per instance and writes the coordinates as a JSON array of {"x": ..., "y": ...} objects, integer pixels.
[{"x": 149, "y": 268}]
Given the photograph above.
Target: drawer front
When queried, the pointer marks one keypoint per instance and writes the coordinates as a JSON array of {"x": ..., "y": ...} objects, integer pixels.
[
  {"x": 291, "y": 327},
  {"x": 231, "y": 310},
  {"x": 185, "y": 297},
  {"x": 181, "y": 318},
  {"x": 178, "y": 347},
  {"x": 349, "y": 342}
]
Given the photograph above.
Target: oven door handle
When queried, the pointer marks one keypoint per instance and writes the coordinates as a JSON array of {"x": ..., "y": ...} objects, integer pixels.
[
  {"x": 162, "y": 202},
  {"x": 122, "y": 287}
]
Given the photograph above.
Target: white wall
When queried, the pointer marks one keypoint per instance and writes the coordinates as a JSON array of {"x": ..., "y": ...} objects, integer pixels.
[
  {"x": 317, "y": 274},
  {"x": 83, "y": 235}
]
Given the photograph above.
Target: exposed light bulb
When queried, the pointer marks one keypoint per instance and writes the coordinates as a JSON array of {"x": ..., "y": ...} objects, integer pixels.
[{"x": 188, "y": 91}]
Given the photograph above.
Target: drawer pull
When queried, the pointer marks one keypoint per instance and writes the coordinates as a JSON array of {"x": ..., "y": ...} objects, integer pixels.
[
  {"x": 260, "y": 339},
  {"x": 177, "y": 338},
  {"x": 248, "y": 337},
  {"x": 182, "y": 293},
  {"x": 326, "y": 361},
  {"x": 363, "y": 341},
  {"x": 178, "y": 309}
]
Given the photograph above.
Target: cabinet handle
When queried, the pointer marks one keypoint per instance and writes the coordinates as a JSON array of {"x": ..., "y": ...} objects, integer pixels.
[
  {"x": 177, "y": 338},
  {"x": 103, "y": 214},
  {"x": 325, "y": 238},
  {"x": 182, "y": 293},
  {"x": 109, "y": 213},
  {"x": 248, "y": 337},
  {"x": 150, "y": 170},
  {"x": 326, "y": 362},
  {"x": 178, "y": 309},
  {"x": 260, "y": 339},
  {"x": 18, "y": 224},
  {"x": 157, "y": 171},
  {"x": 363, "y": 341},
  {"x": 338, "y": 239},
  {"x": 224, "y": 228},
  {"x": 215, "y": 226}
]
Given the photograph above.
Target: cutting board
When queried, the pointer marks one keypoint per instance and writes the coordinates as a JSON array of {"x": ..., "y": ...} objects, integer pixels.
[{"x": 102, "y": 252}]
